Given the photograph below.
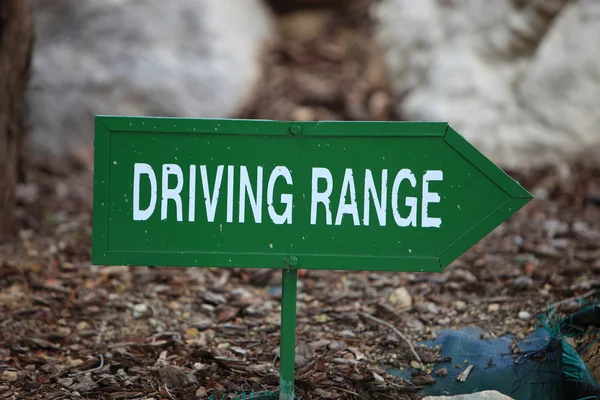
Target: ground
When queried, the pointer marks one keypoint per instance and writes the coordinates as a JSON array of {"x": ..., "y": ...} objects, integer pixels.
[{"x": 141, "y": 332}]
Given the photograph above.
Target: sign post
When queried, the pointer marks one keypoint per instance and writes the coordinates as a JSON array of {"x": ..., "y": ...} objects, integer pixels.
[
  {"x": 287, "y": 347},
  {"x": 380, "y": 196}
]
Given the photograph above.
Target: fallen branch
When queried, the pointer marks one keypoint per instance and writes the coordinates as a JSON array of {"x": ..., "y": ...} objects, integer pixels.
[
  {"x": 397, "y": 332},
  {"x": 583, "y": 296},
  {"x": 93, "y": 369}
]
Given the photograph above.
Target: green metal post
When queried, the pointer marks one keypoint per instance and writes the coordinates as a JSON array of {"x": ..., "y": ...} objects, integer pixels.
[{"x": 287, "y": 349}]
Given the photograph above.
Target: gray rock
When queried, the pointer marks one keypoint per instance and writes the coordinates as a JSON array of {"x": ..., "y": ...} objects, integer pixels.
[
  {"x": 185, "y": 58},
  {"x": 485, "y": 395},
  {"x": 466, "y": 62},
  {"x": 523, "y": 282},
  {"x": 524, "y": 315},
  {"x": 203, "y": 323},
  {"x": 141, "y": 310}
]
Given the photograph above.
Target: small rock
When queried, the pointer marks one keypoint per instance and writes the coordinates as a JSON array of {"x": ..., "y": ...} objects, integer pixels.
[
  {"x": 401, "y": 298},
  {"x": 82, "y": 326},
  {"x": 414, "y": 324},
  {"x": 9, "y": 376},
  {"x": 524, "y": 315},
  {"x": 377, "y": 377},
  {"x": 442, "y": 372},
  {"x": 428, "y": 307},
  {"x": 175, "y": 377},
  {"x": 213, "y": 298},
  {"x": 303, "y": 114},
  {"x": 337, "y": 345},
  {"x": 556, "y": 227},
  {"x": 66, "y": 382},
  {"x": 141, "y": 310},
  {"x": 461, "y": 275},
  {"x": 485, "y": 395},
  {"x": 460, "y": 305},
  {"x": 493, "y": 307},
  {"x": 522, "y": 283},
  {"x": 347, "y": 333},
  {"x": 203, "y": 324}
]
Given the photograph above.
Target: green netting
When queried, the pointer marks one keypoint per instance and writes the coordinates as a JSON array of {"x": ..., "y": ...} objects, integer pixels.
[{"x": 545, "y": 366}]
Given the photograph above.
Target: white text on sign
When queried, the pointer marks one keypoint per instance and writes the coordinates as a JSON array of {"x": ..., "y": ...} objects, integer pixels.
[{"x": 218, "y": 188}]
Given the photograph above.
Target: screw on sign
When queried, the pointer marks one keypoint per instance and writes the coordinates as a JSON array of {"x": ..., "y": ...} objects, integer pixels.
[{"x": 385, "y": 196}]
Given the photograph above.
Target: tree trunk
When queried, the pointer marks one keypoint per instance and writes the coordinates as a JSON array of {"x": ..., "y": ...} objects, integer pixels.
[{"x": 16, "y": 43}]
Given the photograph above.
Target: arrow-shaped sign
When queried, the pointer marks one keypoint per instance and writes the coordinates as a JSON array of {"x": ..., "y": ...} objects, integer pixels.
[{"x": 395, "y": 196}]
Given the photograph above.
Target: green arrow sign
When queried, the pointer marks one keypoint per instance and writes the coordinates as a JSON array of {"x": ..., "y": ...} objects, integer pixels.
[
  {"x": 388, "y": 196},
  {"x": 397, "y": 196}
]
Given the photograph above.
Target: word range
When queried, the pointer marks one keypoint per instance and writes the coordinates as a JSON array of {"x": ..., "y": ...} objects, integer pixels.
[{"x": 392, "y": 194}]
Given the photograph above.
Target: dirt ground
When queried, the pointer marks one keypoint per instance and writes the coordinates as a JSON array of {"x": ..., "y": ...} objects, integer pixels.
[{"x": 71, "y": 330}]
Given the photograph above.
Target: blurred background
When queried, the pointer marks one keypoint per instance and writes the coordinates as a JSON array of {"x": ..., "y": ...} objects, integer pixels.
[{"x": 520, "y": 79}]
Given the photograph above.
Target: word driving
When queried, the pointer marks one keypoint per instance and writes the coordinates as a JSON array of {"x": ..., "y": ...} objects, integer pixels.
[{"x": 226, "y": 179}]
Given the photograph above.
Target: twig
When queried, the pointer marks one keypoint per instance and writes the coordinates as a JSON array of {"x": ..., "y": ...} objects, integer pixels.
[
  {"x": 583, "y": 296},
  {"x": 465, "y": 374},
  {"x": 93, "y": 369},
  {"x": 499, "y": 299},
  {"x": 397, "y": 332}
]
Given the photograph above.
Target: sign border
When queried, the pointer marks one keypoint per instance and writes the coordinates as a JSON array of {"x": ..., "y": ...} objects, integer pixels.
[{"x": 107, "y": 125}]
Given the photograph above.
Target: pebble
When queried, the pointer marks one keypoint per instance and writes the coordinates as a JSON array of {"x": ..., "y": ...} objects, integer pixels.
[
  {"x": 82, "y": 326},
  {"x": 9, "y": 376},
  {"x": 524, "y": 315},
  {"x": 493, "y": 307},
  {"x": 442, "y": 372},
  {"x": 462, "y": 275},
  {"x": 377, "y": 377},
  {"x": 401, "y": 298},
  {"x": 141, "y": 310},
  {"x": 523, "y": 282},
  {"x": 460, "y": 305},
  {"x": 203, "y": 324},
  {"x": 66, "y": 382}
]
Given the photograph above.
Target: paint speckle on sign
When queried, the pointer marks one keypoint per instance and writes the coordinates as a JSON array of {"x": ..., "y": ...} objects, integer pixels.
[
  {"x": 221, "y": 227},
  {"x": 458, "y": 205},
  {"x": 114, "y": 162},
  {"x": 271, "y": 245},
  {"x": 409, "y": 250}
]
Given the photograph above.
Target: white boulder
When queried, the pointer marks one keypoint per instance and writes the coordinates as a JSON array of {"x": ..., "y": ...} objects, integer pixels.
[
  {"x": 485, "y": 395},
  {"x": 184, "y": 58},
  {"x": 518, "y": 79}
]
